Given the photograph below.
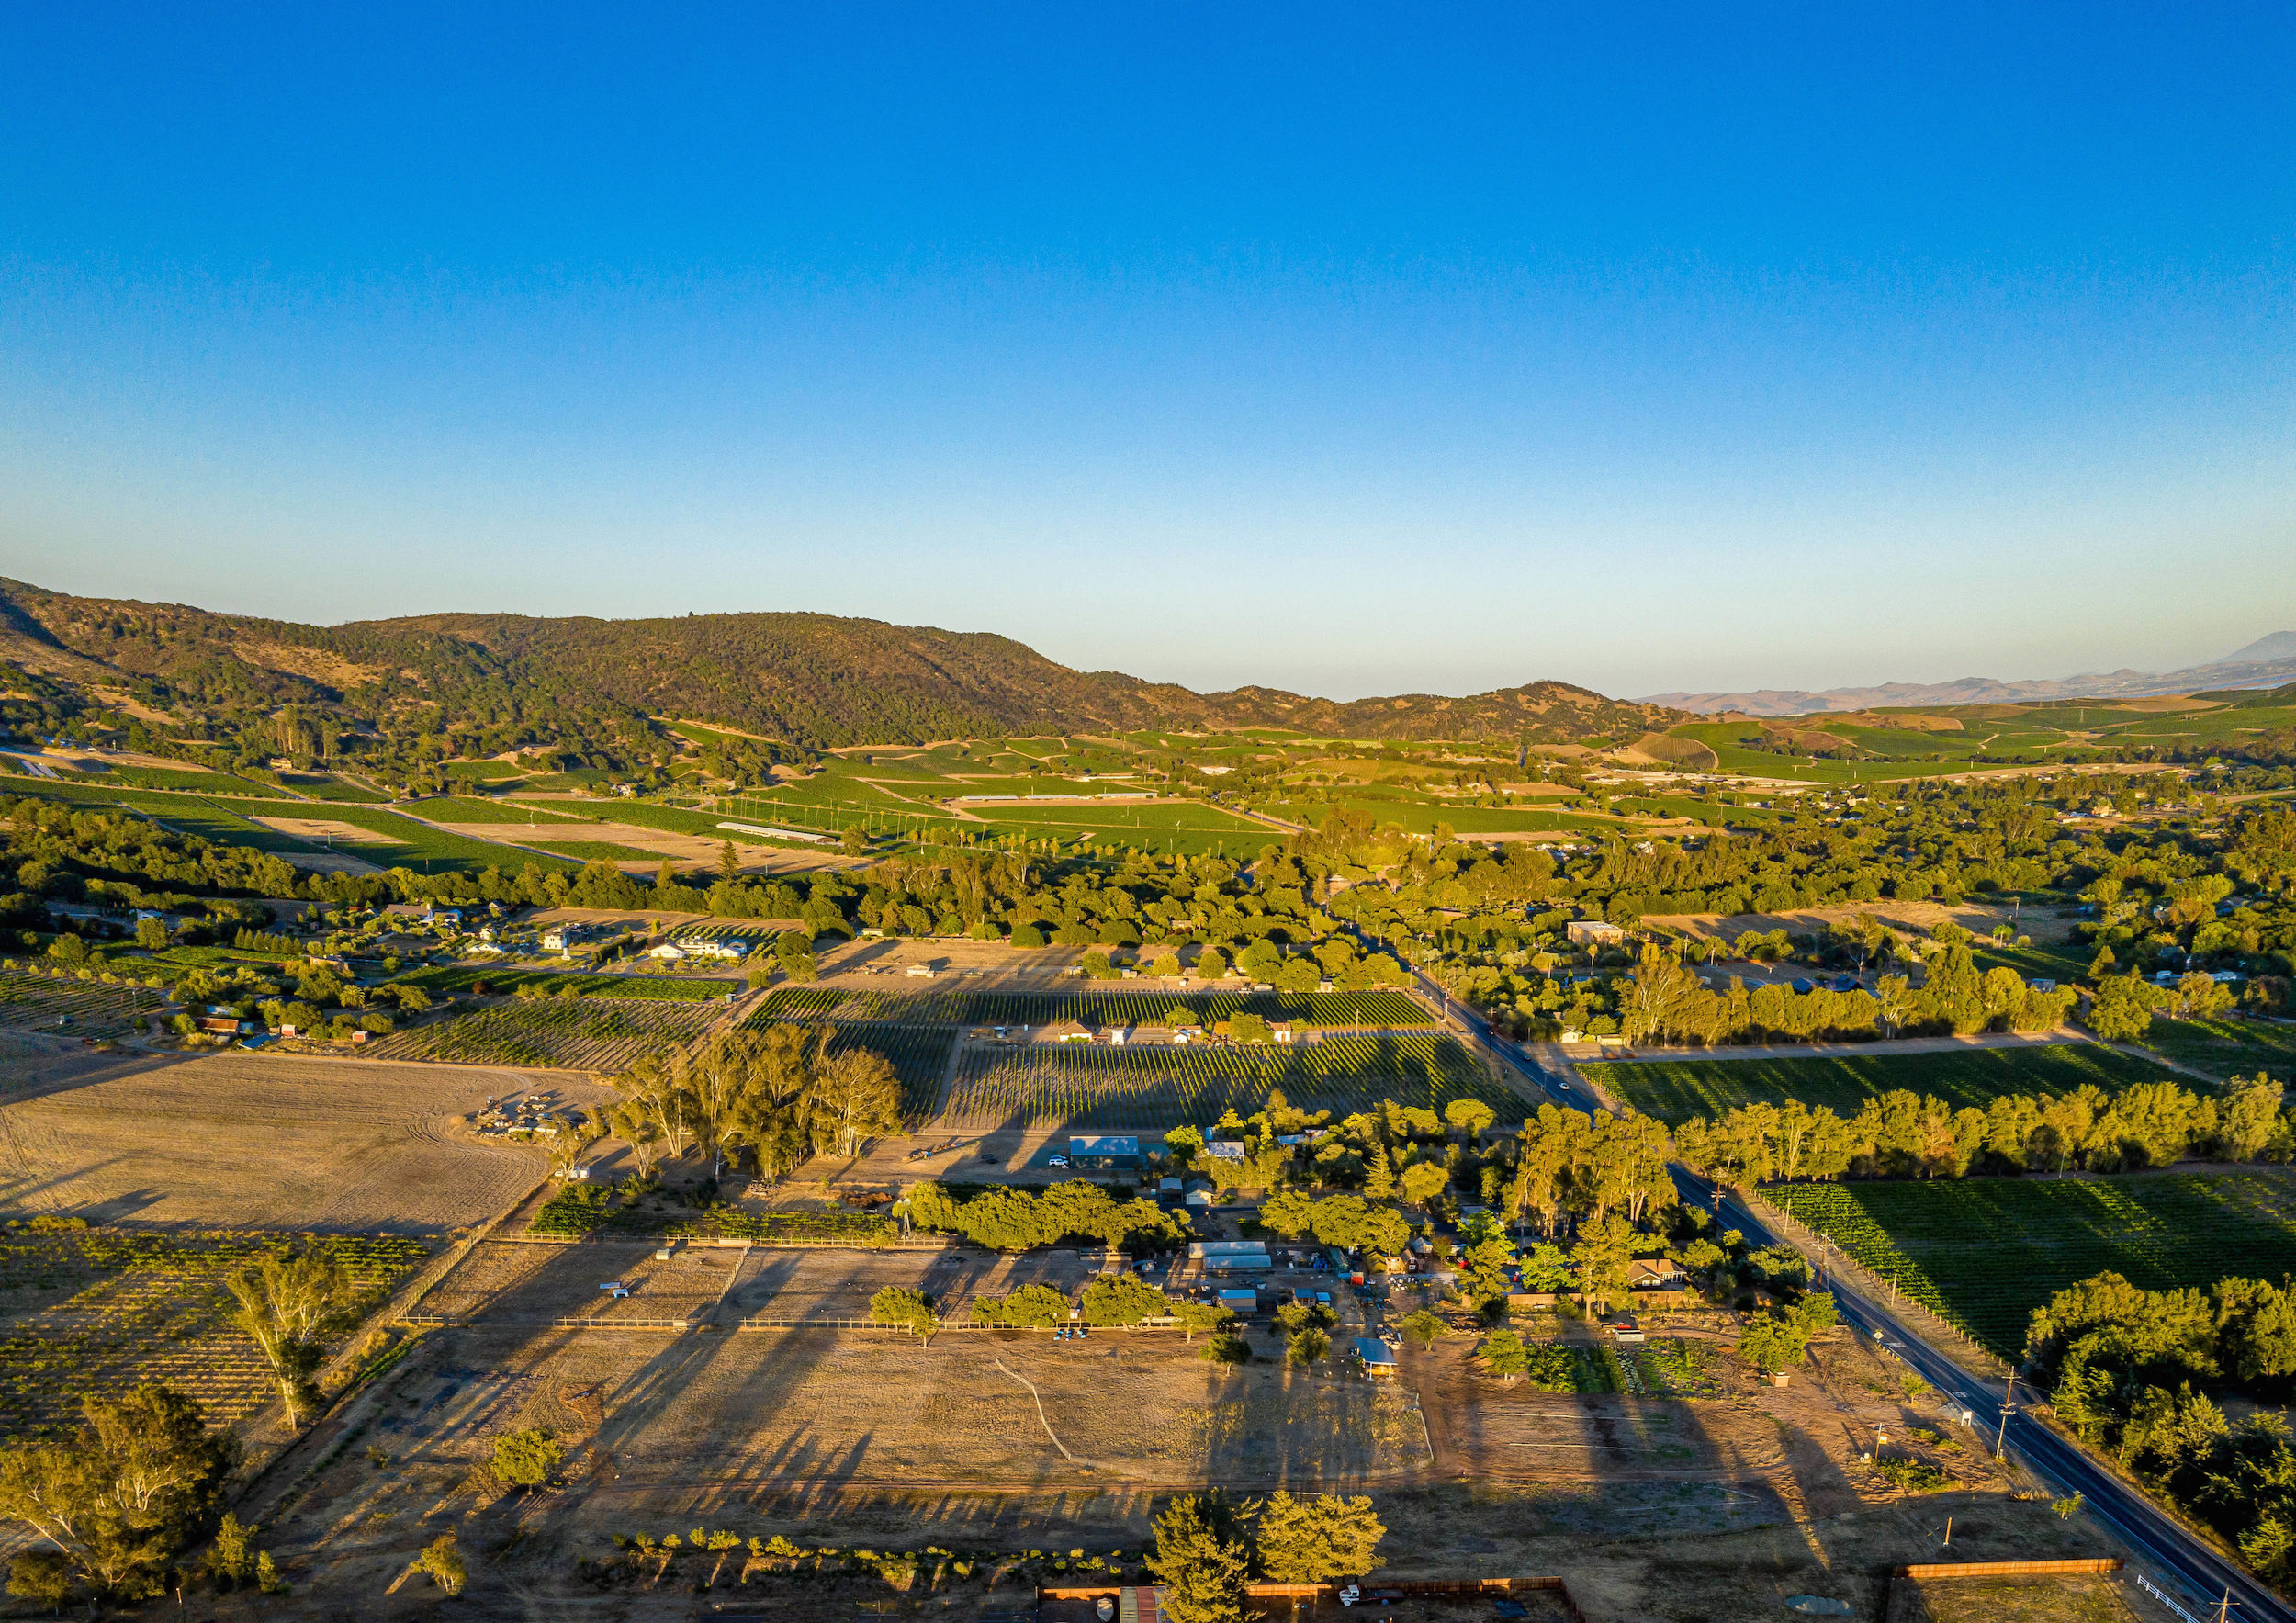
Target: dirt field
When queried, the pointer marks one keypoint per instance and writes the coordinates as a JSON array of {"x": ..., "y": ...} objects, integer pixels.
[
  {"x": 318, "y": 829},
  {"x": 689, "y": 850},
  {"x": 256, "y": 1141},
  {"x": 1913, "y": 917},
  {"x": 2097, "y": 1599},
  {"x": 975, "y": 966},
  {"x": 992, "y": 1445}
]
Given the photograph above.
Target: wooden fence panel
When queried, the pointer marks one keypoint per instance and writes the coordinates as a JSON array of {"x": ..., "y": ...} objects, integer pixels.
[{"x": 2095, "y": 1563}]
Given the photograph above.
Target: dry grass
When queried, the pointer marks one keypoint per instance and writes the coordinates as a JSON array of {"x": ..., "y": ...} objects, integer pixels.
[
  {"x": 2011, "y": 1600},
  {"x": 238, "y": 1139}
]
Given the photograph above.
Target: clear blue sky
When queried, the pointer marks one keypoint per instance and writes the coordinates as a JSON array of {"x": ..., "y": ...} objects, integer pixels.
[{"x": 1349, "y": 350}]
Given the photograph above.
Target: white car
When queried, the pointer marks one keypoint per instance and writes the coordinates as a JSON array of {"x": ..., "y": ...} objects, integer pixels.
[
  {"x": 1057, "y": 1161},
  {"x": 615, "y": 1288}
]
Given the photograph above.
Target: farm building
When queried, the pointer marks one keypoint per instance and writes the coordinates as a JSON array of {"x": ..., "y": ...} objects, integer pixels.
[
  {"x": 1224, "y": 1149},
  {"x": 1378, "y": 1363},
  {"x": 1104, "y": 1154},
  {"x": 1593, "y": 932}
]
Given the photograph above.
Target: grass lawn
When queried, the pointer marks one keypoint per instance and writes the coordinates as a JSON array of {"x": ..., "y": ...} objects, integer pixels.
[
  {"x": 2226, "y": 1048},
  {"x": 1985, "y": 1252},
  {"x": 1676, "y": 1089},
  {"x": 2053, "y": 961}
]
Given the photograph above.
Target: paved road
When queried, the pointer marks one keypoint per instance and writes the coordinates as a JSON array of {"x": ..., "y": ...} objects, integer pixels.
[
  {"x": 2150, "y": 1533},
  {"x": 1545, "y": 1084},
  {"x": 2158, "y": 1540}
]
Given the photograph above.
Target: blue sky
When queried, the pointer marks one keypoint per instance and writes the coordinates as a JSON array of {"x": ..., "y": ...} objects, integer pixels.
[{"x": 1344, "y": 349}]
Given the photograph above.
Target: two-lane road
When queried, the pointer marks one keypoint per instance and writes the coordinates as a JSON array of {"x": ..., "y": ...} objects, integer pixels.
[{"x": 2150, "y": 1532}]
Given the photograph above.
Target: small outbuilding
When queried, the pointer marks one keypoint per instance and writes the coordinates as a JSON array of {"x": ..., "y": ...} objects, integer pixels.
[{"x": 1376, "y": 1360}]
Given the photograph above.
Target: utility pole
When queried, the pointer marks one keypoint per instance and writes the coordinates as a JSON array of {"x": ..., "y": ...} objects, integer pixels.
[{"x": 2001, "y": 1438}]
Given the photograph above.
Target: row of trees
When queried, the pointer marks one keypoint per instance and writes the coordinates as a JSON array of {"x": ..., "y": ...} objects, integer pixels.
[
  {"x": 775, "y": 1095},
  {"x": 1010, "y": 1219},
  {"x": 1209, "y": 1549},
  {"x": 1904, "y": 1134},
  {"x": 1664, "y": 998}
]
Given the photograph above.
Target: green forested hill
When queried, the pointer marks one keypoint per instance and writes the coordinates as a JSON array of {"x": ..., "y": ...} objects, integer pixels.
[{"x": 481, "y": 683}]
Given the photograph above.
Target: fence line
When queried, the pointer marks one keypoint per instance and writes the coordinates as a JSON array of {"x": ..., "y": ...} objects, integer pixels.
[
  {"x": 2093, "y": 1563},
  {"x": 2166, "y": 1599}
]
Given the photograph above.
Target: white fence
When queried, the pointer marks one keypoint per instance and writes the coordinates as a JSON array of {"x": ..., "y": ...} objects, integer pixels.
[{"x": 2161, "y": 1596}]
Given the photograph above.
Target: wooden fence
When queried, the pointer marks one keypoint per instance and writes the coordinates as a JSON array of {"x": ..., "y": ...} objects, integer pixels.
[{"x": 1927, "y": 1569}]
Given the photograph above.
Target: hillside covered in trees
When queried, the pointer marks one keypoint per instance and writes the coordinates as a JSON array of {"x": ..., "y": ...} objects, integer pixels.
[{"x": 811, "y": 680}]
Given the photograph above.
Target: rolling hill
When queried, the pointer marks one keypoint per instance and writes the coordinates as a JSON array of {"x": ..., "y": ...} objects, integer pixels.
[{"x": 812, "y": 679}]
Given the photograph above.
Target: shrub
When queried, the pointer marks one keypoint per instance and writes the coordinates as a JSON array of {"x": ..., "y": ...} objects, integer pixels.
[
  {"x": 527, "y": 1458},
  {"x": 898, "y": 1304},
  {"x": 443, "y": 1561},
  {"x": 1123, "y": 1299},
  {"x": 1032, "y": 1307}
]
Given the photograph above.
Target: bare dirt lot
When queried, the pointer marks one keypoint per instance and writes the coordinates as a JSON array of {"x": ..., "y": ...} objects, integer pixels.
[
  {"x": 2078, "y": 1599},
  {"x": 1913, "y": 917},
  {"x": 256, "y": 1141},
  {"x": 976, "y": 966},
  {"x": 328, "y": 828}
]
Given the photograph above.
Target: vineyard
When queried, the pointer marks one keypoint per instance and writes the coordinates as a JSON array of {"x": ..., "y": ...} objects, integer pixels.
[
  {"x": 74, "y": 1008},
  {"x": 461, "y": 978},
  {"x": 123, "y": 1308},
  {"x": 1676, "y": 1089},
  {"x": 570, "y": 1033},
  {"x": 1984, "y": 1253},
  {"x": 1045, "y": 1084},
  {"x": 1091, "y": 1007}
]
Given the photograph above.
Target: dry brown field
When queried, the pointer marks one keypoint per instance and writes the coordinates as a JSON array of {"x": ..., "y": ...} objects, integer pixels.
[
  {"x": 979, "y": 967},
  {"x": 255, "y": 1141},
  {"x": 2078, "y": 1599},
  {"x": 1913, "y": 917}
]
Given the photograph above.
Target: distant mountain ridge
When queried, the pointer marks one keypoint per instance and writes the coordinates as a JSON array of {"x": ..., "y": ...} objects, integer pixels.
[
  {"x": 815, "y": 680},
  {"x": 2267, "y": 663}
]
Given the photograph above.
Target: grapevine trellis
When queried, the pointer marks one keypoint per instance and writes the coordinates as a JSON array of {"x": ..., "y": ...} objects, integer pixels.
[
  {"x": 1095, "y": 1008},
  {"x": 85, "y": 1008},
  {"x": 1090, "y": 1085},
  {"x": 148, "y": 1306},
  {"x": 574, "y": 1033},
  {"x": 1982, "y": 1254}
]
